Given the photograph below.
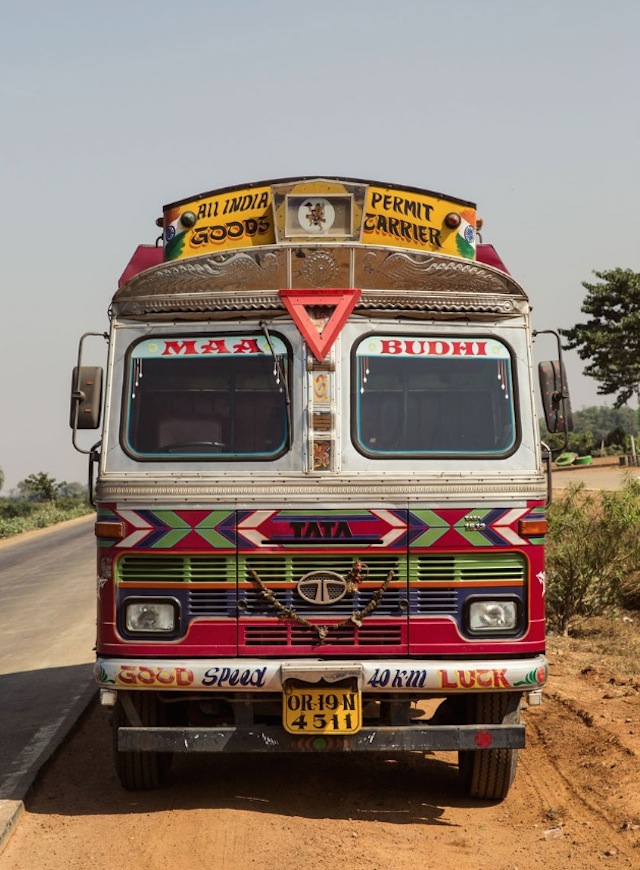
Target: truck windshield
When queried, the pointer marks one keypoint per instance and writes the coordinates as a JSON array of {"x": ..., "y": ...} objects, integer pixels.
[
  {"x": 430, "y": 395},
  {"x": 216, "y": 396}
]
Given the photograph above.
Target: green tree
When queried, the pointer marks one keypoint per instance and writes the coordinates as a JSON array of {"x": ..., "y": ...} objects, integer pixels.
[
  {"x": 41, "y": 487},
  {"x": 76, "y": 490},
  {"x": 610, "y": 338},
  {"x": 1, "y": 478}
]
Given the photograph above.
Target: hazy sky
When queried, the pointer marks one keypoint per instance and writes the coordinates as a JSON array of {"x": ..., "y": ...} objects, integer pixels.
[{"x": 110, "y": 110}]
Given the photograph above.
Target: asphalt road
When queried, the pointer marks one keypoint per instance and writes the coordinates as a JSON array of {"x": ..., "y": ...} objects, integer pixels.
[{"x": 47, "y": 635}]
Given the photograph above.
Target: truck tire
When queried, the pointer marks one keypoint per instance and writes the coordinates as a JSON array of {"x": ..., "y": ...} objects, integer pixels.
[
  {"x": 140, "y": 770},
  {"x": 487, "y": 774}
]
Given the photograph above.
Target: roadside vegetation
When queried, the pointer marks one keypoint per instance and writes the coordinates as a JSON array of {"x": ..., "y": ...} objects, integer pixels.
[
  {"x": 593, "y": 554},
  {"x": 593, "y": 558},
  {"x": 40, "y": 501}
]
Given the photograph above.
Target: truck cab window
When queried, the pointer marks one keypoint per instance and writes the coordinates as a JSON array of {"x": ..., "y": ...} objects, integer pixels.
[
  {"x": 218, "y": 397},
  {"x": 423, "y": 396}
]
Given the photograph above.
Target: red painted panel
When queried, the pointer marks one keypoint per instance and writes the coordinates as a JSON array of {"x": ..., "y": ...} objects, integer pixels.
[
  {"x": 437, "y": 635},
  {"x": 487, "y": 254},
  {"x": 205, "y": 638},
  {"x": 144, "y": 257}
]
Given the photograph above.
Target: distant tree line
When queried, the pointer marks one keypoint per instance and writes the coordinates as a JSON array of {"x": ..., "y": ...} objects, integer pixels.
[
  {"x": 39, "y": 501},
  {"x": 598, "y": 430},
  {"x": 41, "y": 487}
]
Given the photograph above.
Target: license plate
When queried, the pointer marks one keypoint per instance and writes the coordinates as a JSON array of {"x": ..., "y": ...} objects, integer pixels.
[{"x": 313, "y": 709}]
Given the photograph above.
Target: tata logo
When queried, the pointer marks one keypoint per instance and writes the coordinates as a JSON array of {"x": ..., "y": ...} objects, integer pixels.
[
  {"x": 322, "y": 587},
  {"x": 321, "y": 529},
  {"x": 322, "y": 532}
]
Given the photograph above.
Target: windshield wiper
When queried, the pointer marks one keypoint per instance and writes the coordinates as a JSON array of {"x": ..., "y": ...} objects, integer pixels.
[{"x": 280, "y": 378}]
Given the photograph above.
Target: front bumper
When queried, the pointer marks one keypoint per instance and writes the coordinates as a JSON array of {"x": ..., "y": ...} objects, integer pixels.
[
  {"x": 411, "y": 676},
  {"x": 250, "y": 678}
]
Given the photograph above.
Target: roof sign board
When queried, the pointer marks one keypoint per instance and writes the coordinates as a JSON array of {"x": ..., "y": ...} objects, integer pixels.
[{"x": 326, "y": 210}]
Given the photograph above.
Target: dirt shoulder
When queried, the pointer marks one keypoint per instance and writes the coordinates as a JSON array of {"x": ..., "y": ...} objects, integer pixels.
[
  {"x": 575, "y": 802},
  {"x": 602, "y": 473},
  {"x": 596, "y": 694}
]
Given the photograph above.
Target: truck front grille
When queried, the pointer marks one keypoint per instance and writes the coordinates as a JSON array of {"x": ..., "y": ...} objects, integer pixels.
[
  {"x": 441, "y": 568},
  {"x": 175, "y": 568},
  {"x": 284, "y": 634},
  {"x": 212, "y": 586}
]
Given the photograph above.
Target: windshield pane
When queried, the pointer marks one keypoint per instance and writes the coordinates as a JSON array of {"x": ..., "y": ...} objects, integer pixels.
[
  {"x": 215, "y": 396},
  {"x": 433, "y": 395}
]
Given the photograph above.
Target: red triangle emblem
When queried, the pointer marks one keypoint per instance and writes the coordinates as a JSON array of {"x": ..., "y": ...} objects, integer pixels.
[{"x": 320, "y": 339}]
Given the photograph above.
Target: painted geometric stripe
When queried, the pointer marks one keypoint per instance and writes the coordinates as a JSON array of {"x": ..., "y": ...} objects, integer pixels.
[
  {"x": 426, "y": 528},
  {"x": 142, "y": 527},
  {"x": 336, "y": 528},
  {"x": 379, "y": 528},
  {"x": 164, "y": 529},
  {"x": 398, "y": 527},
  {"x": 493, "y": 527},
  {"x": 218, "y": 529},
  {"x": 249, "y": 526},
  {"x": 478, "y": 527}
]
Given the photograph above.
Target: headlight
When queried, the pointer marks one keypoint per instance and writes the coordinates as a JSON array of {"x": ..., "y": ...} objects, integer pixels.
[
  {"x": 492, "y": 616},
  {"x": 151, "y": 617}
]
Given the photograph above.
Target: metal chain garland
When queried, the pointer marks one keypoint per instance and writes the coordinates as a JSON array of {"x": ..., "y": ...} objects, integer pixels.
[{"x": 353, "y": 578}]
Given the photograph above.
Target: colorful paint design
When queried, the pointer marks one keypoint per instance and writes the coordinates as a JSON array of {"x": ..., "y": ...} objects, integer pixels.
[
  {"x": 321, "y": 455},
  {"x": 321, "y": 392},
  {"x": 230, "y": 345},
  {"x": 235, "y": 219},
  {"x": 473, "y": 527},
  {"x": 453, "y": 528},
  {"x": 408, "y": 219},
  {"x": 377, "y": 676},
  {"x": 432, "y": 347},
  {"x": 168, "y": 530},
  {"x": 436, "y": 558},
  {"x": 391, "y": 216}
]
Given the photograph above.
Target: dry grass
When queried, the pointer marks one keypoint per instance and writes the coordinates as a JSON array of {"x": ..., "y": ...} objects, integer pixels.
[{"x": 615, "y": 640}]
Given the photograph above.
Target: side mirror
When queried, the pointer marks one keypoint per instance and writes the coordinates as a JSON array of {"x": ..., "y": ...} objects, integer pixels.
[
  {"x": 86, "y": 397},
  {"x": 555, "y": 396}
]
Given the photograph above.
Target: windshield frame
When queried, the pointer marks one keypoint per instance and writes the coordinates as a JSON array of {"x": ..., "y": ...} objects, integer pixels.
[
  {"x": 436, "y": 454},
  {"x": 266, "y": 352}
]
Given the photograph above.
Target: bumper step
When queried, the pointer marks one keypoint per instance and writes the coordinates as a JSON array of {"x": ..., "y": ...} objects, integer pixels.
[{"x": 368, "y": 739}]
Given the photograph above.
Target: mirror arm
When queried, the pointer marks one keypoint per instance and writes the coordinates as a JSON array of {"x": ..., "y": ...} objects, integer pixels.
[
  {"x": 94, "y": 456},
  {"x": 548, "y": 462}
]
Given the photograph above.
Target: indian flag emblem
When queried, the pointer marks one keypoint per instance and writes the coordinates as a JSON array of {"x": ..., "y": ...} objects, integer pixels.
[
  {"x": 174, "y": 235},
  {"x": 466, "y": 238}
]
